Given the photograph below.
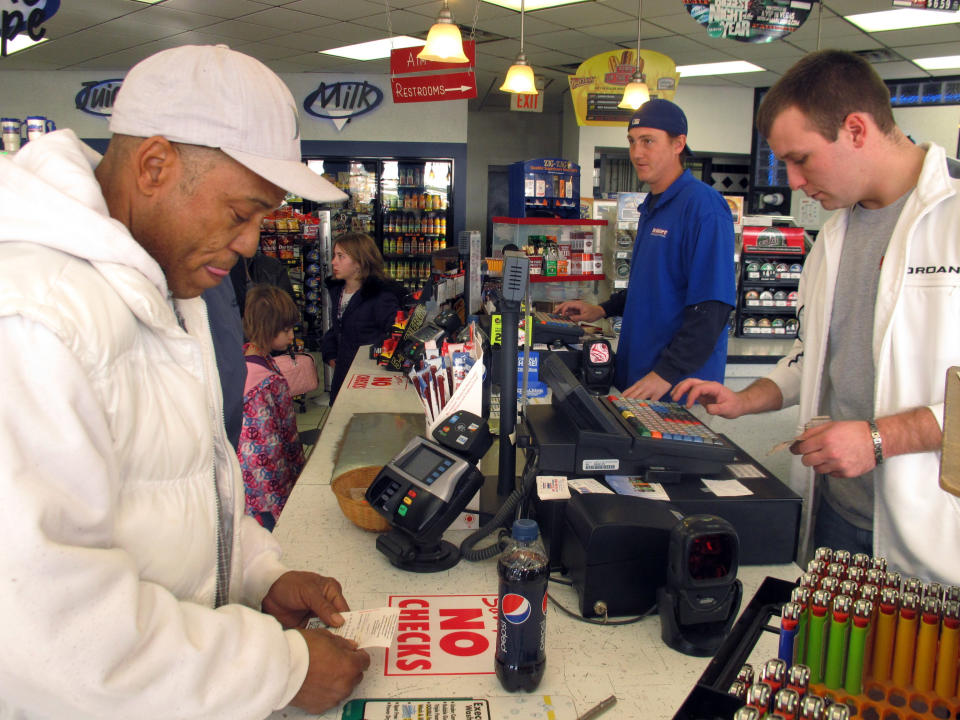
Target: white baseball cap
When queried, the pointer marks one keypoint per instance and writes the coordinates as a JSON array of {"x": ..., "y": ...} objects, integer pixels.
[{"x": 217, "y": 97}]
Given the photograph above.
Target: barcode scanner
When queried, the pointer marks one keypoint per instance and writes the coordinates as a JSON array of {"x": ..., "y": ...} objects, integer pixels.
[
  {"x": 702, "y": 595},
  {"x": 598, "y": 365}
]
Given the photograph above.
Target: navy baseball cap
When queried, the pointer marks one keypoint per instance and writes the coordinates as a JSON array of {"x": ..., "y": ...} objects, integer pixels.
[{"x": 662, "y": 115}]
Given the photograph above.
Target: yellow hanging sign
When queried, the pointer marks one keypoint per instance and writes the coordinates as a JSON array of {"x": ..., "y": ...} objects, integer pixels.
[{"x": 598, "y": 86}]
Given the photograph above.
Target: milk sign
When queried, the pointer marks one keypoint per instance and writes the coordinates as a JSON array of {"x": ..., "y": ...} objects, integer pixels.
[
  {"x": 24, "y": 16},
  {"x": 343, "y": 100}
]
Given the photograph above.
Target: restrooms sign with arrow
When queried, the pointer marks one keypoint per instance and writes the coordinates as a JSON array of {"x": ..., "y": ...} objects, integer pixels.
[{"x": 415, "y": 80}]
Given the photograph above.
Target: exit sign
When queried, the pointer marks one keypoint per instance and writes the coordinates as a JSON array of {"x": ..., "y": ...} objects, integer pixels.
[{"x": 526, "y": 103}]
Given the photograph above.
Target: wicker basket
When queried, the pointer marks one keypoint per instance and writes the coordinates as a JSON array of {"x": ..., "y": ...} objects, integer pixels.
[{"x": 349, "y": 488}]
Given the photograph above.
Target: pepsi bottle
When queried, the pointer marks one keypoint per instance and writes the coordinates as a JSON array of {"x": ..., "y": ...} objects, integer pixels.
[{"x": 522, "y": 618}]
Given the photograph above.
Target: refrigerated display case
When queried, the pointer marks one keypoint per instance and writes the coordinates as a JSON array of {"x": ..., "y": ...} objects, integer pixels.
[{"x": 405, "y": 204}]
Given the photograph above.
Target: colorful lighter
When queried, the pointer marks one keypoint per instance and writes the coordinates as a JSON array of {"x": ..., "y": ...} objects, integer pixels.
[
  {"x": 859, "y": 629},
  {"x": 774, "y": 673},
  {"x": 856, "y": 574},
  {"x": 786, "y": 703},
  {"x": 831, "y": 584},
  {"x": 860, "y": 560},
  {"x": 759, "y": 696},
  {"x": 823, "y": 553},
  {"x": 837, "y": 570},
  {"x": 874, "y": 576},
  {"x": 798, "y": 678},
  {"x": 952, "y": 592},
  {"x": 837, "y": 639},
  {"x": 892, "y": 579},
  {"x": 747, "y": 713},
  {"x": 738, "y": 690},
  {"x": 842, "y": 557},
  {"x": 926, "y": 653},
  {"x": 944, "y": 682},
  {"x": 745, "y": 674},
  {"x": 880, "y": 563},
  {"x": 913, "y": 585},
  {"x": 801, "y": 596},
  {"x": 837, "y": 711},
  {"x": 884, "y": 633},
  {"x": 811, "y": 707},
  {"x": 817, "y": 567},
  {"x": 849, "y": 588},
  {"x": 789, "y": 622},
  {"x": 905, "y": 641},
  {"x": 815, "y": 636}
]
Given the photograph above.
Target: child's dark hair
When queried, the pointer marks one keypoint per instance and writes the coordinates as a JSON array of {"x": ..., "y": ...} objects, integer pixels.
[{"x": 268, "y": 311}]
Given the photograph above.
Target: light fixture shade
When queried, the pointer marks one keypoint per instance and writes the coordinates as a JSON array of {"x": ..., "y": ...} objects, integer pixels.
[
  {"x": 444, "y": 42},
  {"x": 520, "y": 78},
  {"x": 636, "y": 93}
]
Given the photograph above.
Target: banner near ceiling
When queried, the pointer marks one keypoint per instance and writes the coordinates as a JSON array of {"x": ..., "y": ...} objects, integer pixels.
[
  {"x": 756, "y": 21},
  {"x": 597, "y": 87}
]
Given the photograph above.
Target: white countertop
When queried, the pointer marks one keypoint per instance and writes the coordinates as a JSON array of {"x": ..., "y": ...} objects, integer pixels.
[{"x": 585, "y": 662}]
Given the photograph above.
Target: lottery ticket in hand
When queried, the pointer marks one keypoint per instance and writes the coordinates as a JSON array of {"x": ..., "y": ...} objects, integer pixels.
[{"x": 811, "y": 423}]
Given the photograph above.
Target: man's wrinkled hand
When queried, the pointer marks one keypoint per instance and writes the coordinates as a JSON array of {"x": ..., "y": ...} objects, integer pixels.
[
  {"x": 336, "y": 668},
  {"x": 297, "y": 596},
  {"x": 716, "y": 398}
]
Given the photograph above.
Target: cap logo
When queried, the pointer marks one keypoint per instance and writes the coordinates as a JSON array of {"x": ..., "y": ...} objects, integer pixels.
[{"x": 341, "y": 101}]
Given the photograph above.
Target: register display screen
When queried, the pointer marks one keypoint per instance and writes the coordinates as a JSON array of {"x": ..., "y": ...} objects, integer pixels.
[{"x": 422, "y": 462}]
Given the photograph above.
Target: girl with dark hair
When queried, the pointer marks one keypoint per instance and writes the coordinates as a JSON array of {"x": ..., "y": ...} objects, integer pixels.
[
  {"x": 270, "y": 453},
  {"x": 363, "y": 302}
]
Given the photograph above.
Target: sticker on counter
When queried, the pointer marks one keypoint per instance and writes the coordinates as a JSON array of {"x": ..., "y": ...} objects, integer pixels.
[
  {"x": 745, "y": 470},
  {"x": 363, "y": 381},
  {"x": 443, "y": 635},
  {"x": 727, "y": 488},
  {"x": 552, "y": 487}
]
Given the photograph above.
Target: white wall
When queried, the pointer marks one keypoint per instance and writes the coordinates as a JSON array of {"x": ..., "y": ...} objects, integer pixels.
[
  {"x": 935, "y": 124},
  {"x": 52, "y": 94},
  {"x": 502, "y": 137},
  {"x": 718, "y": 120}
]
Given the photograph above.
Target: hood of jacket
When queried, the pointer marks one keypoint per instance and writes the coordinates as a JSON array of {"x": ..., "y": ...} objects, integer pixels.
[{"x": 57, "y": 170}]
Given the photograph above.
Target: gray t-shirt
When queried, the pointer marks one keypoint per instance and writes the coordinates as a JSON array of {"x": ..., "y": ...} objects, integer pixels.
[{"x": 848, "y": 383}]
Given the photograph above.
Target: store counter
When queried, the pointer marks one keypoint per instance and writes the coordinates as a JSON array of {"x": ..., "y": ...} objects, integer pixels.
[{"x": 585, "y": 662}]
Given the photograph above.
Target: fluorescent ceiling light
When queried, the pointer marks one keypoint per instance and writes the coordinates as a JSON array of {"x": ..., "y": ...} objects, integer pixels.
[
  {"x": 720, "y": 68},
  {"x": 529, "y": 5},
  {"x": 22, "y": 42},
  {"x": 375, "y": 49},
  {"x": 150, "y": 2},
  {"x": 946, "y": 62},
  {"x": 902, "y": 19}
]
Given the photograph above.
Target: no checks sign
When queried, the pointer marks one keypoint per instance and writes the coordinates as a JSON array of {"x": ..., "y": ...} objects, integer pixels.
[{"x": 443, "y": 635}]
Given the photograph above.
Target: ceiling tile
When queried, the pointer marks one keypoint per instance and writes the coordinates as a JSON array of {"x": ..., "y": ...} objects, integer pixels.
[
  {"x": 580, "y": 16},
  {"x": 224, "y": 9},
  {"x": 337, "y": 9},
  {"x": 283, "y": 19},
  {"x": 241, "y": 30}
]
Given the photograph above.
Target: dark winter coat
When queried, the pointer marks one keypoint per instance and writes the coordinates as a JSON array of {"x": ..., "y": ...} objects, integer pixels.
[{"x": 366, "y": 320}]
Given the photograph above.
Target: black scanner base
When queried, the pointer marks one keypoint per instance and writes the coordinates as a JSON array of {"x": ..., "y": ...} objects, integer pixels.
[{"x": 404, "y": 553}]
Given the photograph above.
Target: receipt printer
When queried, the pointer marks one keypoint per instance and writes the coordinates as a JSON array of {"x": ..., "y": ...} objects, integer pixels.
[{"x": 615, "y": 549}]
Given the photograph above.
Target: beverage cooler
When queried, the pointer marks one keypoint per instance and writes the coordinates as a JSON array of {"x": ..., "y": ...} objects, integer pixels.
[{"x": 405, "y": 204}]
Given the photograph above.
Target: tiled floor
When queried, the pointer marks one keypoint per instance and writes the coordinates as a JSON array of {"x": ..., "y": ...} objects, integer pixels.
[{"x": 317, "y": 409}]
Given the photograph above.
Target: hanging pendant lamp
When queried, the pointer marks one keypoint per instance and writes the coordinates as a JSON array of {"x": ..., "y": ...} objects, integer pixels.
[
  {"x": 444, "y": 42},
  {"x": 636, "y": 93},
  {"x": 520, "y": 75}
]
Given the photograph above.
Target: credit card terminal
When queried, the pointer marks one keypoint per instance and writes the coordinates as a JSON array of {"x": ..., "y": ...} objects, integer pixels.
[{"x": 423, "y": 489}]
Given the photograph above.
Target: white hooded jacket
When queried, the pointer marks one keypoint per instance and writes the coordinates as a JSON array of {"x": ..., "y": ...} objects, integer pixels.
[
  {"x": 915, "y": 339},
  {"x": 115, "y": 474}
]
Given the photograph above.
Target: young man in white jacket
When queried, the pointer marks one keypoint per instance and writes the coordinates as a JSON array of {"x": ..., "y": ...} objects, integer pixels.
[
  {"x": 878, "y": 306},
  {"x": 134, "y": 585}
]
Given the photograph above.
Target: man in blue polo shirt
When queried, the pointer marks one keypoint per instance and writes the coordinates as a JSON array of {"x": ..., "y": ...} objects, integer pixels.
[{"x": 681, "y": 288}]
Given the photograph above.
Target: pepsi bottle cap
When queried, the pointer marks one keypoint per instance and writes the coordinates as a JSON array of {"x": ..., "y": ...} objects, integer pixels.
[{"x": 525, "y": 530}]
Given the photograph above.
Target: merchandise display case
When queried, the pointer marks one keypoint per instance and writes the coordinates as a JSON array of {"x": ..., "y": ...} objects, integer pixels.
[
  {"x": 404, "y": 204},
  {"x": 546, "y": 187},
  {"x": 771, "y": 261},
  {"x": 564, "y": 253}
]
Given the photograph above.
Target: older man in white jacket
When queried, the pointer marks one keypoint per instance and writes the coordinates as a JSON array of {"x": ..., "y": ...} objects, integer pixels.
[
  {"x": 133, "y": 584},
  {"x": 829, "y": 120}
]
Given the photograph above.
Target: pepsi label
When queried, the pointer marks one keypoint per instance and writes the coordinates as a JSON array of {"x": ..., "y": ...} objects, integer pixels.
[{"x": 523, "y": 626}]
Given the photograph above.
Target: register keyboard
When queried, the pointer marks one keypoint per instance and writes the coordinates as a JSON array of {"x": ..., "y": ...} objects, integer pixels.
[
  {"x": 581, "y": 433},
  {"x": 549, "y": 328}
]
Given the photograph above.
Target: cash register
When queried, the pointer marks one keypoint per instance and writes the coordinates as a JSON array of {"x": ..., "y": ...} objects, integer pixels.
[{"x": 582, "y": 434}]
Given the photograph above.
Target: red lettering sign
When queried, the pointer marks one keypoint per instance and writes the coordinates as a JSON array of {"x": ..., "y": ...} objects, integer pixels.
[
  {"x": 405, "y": 60},
  {"x": 434, "y": 88}
]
